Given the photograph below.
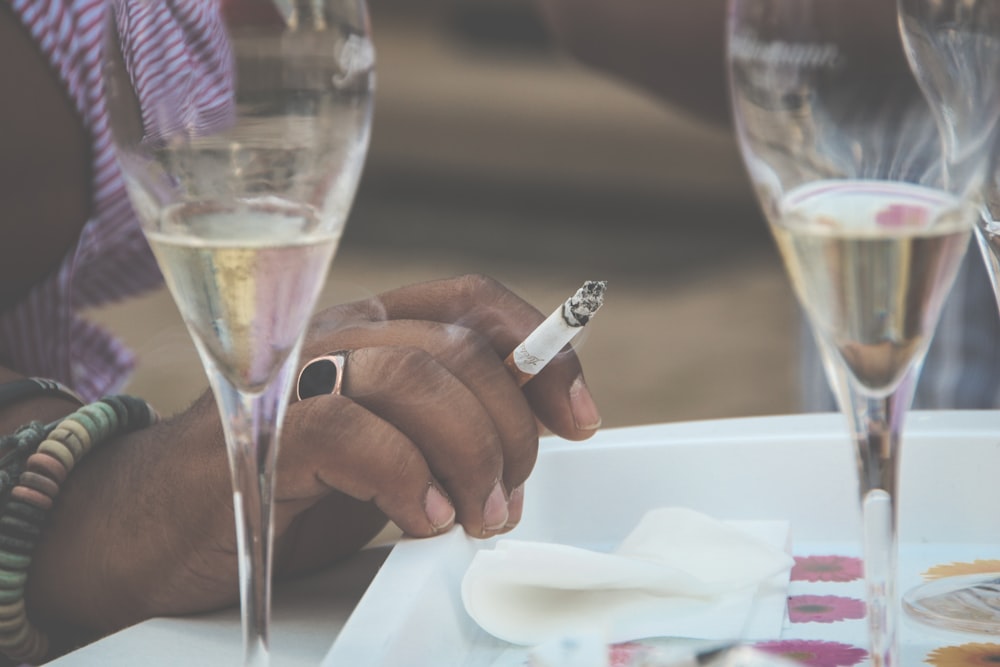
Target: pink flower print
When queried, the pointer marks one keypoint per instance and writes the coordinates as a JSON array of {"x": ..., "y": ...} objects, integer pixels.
[
  {"x": 902, "y": 215},
  {"x": 626, "y": 653},
  {"x": 827, "y": 568},
  {"x": 815, "y": 653},
  {"x": 824, "y": 609}
]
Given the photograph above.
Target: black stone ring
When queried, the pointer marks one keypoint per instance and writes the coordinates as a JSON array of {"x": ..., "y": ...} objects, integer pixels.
[{"x": 322, "y": 375}]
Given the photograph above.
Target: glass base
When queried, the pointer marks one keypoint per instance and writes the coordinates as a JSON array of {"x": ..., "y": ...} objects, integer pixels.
[{"x": 965, "y": 604}]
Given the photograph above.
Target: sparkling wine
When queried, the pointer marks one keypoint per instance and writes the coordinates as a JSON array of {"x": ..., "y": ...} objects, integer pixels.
[
  {"x": 872, "y": 262},
  {"x": 989, "y": 245},
  {"x": 245, "y": 278}
]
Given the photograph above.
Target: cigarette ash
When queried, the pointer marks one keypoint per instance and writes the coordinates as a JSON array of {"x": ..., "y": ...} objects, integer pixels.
[{"x": 580, "y": 307}]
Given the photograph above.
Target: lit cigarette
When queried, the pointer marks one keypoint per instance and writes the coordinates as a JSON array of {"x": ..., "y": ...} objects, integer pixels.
[{"x": 544, "y": 343}]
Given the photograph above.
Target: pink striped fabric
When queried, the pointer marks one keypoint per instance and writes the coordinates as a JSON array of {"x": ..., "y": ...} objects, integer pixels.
[{"x": 44, "y": 335}]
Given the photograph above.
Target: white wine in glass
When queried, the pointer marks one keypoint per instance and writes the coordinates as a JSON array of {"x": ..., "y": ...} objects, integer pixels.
[
  {"x": 241, "y": 128},
  {"x": 847, "y": 161},
  {"x": 953, "y": 47}
]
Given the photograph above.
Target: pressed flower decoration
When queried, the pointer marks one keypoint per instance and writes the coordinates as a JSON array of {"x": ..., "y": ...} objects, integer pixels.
[
  {"x": 806, "y": 608},
  {"x": 626, "y": 653},
  {"x": 815, "y": 653},
  {"x": 966, "y": 655},
  {"x": 902, "y": 215},
  {"x": 824, "y": 609},
  {"x": 961, "y": 569},
  {"x": 827, "y": 568}
]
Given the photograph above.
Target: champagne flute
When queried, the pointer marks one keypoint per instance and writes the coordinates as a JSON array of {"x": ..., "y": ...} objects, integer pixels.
[
  {"x": 846, "y": 159},
  {"x": 953, "y": 47},
  {"x": 241, "y": 127}
]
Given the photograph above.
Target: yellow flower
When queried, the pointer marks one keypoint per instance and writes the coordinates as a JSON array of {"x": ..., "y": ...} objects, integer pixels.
[
  {"x": 960, "y": 569},
  {"x": 966, "y": 655}
]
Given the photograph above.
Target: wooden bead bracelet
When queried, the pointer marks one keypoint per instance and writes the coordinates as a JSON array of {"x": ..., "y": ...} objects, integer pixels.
[{"x": 34, "y": 463}]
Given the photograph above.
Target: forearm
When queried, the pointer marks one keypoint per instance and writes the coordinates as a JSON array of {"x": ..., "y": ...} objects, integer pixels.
[
  {"x": 144, "y": 527},
  {"x": 675, "y": 49},
  {"x": 117, "y": 535}
]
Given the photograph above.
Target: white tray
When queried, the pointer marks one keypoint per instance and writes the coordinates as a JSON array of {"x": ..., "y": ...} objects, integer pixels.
[{"x": 799, "y": 469}]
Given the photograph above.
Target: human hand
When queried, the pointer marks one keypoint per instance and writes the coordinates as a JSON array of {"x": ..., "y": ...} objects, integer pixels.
[
  {"x": 427, "y": 404},
  {"x": 430, "y": 424}
]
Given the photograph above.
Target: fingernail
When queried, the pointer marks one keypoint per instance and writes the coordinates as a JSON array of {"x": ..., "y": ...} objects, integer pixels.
[
  {"x": 585, "y": 414},
  {"x": 495, "y": 510},
  {"x": 515, "y": 507},
  {"x": 439, "y": 511}
]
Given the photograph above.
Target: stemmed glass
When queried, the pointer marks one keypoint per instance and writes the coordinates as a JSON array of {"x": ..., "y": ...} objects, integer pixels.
[
  {"x": 847, "y": 161},
  {"x": 241, "y": 128},
  {"x": 953, "y": 47}
]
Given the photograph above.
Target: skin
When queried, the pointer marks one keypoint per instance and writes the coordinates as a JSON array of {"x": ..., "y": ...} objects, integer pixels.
[
  {"x": 144, "y": 526},
  {"x": 676, "y": 49},
  {"x": 431, "y": 429},
  {"x": 44, "y": 165},
  {"x": 347, "y": 464},
  {"x": 672, "y": 49}
]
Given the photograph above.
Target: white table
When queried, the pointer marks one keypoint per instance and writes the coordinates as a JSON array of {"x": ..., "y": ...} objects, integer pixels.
[
  {"x": 796, "y": 468},
  {"x": 307, "y": 615}
]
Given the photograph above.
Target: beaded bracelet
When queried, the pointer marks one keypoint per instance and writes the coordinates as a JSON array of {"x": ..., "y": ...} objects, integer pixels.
[
  {"x": 34, "y": 463},
  {"x": 25, "y": 388}
]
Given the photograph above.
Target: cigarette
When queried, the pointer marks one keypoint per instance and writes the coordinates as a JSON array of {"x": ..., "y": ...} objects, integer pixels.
[{"x": 545, "y": 342}]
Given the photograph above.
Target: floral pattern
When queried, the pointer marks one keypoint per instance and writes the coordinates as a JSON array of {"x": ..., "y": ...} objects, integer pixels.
[
  {"x": 966, "y": 655},
  {"x": 902, "y": 215},
  {"x": 815, "y": 653},
  {"x": 827, "y": 568},
  {"x": 806, "y": 608},
  {"x": 961, "y": 569},
  {"x": 824, "y": 609},
  {"x": 626, "y": 653}
]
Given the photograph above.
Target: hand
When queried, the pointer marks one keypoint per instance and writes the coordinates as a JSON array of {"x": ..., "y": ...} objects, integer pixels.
[{"x": 430, "y": 425}]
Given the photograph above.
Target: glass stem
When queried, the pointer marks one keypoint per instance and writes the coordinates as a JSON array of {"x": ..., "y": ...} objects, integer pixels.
[
  {"x": 876, "y": 424},
  {"x": 252, "y": 425}
]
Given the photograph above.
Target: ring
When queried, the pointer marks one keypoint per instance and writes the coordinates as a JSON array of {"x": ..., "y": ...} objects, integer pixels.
[{"x": 322, "y": 375}]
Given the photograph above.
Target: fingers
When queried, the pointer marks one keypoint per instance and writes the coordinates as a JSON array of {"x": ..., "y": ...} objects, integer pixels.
[
  {"x": 470, "y": 358},
  {"x": 450, "y": 426},
  {"x": 336, "y": 443},
  {"x": 558, "y": 395},
  {"x": 413, "y": 427}
]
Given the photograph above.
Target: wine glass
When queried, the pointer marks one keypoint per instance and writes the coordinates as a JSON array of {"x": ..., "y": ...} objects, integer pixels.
[
  {"x": 953, "y": 47},
  {"x": 847, "y": 162},
  {"x": 241, "y": 127}
]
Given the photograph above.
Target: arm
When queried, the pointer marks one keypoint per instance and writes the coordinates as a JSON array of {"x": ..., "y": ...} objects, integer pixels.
[
  {"x": 145, "y": 525},
  {"x": 44, "y": 164},
  {"x": 674, "y": 49}
]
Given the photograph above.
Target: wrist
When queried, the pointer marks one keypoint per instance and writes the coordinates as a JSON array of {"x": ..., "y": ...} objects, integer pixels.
[{"x": 36, "y": 464}]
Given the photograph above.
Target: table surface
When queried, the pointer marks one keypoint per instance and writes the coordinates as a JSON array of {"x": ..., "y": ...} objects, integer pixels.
[
  {"x": 307, "y": 615},
  {"x": 758, "y": 458}
]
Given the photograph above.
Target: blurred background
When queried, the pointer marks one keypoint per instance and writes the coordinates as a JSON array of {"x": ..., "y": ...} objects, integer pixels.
[{"x": 493, "y": 152}]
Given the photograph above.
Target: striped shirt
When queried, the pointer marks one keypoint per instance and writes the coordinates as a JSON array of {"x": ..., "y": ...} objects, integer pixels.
[{"x": 44, "y": 334}]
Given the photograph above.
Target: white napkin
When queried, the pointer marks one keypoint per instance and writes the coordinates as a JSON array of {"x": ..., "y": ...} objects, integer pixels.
[{"x": 678, "y": 574}]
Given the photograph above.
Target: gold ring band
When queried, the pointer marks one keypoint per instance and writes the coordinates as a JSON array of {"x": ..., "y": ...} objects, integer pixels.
[{"x": 322, "y": 375}]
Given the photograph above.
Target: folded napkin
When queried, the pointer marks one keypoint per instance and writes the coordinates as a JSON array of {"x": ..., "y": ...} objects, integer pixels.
[{"x": 678, "y": 574}]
